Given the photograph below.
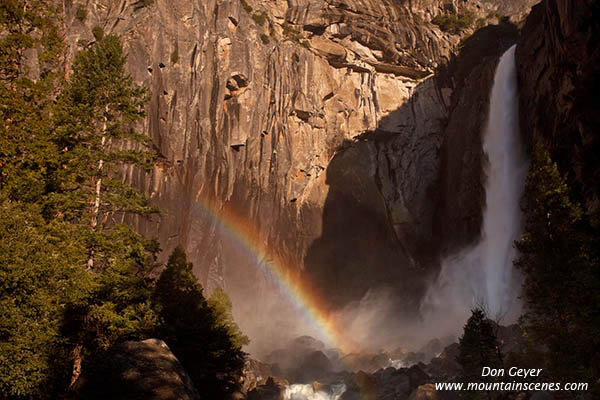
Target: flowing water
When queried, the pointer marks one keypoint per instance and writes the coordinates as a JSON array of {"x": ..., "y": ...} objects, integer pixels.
[
  {"x": 306, "y": 392},
  {"x": 484, "y": 275}
]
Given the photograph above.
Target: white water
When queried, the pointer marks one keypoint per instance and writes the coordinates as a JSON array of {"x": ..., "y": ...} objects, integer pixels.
[
  {"x": 306, "y": 392},
  {"x": 483, "y": 275}
]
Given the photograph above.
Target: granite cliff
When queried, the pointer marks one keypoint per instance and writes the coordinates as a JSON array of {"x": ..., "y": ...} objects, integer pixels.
[
  {"x": 558, "y": 62},
  {"x": 341, "y": 131}
]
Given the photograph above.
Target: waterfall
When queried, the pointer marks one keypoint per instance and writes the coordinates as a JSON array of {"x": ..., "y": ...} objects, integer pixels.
[{"x": 484, "y": 274}]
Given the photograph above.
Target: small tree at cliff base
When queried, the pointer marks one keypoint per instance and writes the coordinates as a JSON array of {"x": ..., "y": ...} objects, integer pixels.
[{"x": 479, "y": 348}]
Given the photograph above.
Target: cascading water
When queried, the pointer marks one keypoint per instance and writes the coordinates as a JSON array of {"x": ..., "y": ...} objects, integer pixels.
[
  {"x": 483, "y": 275},
  {"x": 307, "y": 392}
]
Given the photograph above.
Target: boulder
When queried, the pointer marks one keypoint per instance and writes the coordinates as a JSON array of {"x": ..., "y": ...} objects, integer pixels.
[
  {"x": 359, "y": 386},
  {"x": 269, "y": 391},
  {"x": 256, "y": 373},
  {"x": 145, "y": 370},
  {"x": 445, "y": 366},
  {"x": 314, "y": 366},
  {"x": 425, "y": 392}
]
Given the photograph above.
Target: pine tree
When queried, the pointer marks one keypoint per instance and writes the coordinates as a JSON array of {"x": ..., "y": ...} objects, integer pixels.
[
  {"x": 96, "y": 117},
  {"x": 222, "y": 307},
  {"x": 41, "y": 274},
  {"x": 479, "y": 347},
  {"x": 29, "y": 54},
  {"x": 560, "y": 262},
  {"x": 191, "y": 329}
]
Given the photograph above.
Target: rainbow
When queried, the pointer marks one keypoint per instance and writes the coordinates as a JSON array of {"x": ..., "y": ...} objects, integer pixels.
[{"x": 297, "y": 290}]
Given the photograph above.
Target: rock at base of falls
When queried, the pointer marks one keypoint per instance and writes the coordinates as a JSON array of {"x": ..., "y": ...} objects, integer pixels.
[
  {"x": 269, "y": 391},
  {"x": 136, "y": 370}
]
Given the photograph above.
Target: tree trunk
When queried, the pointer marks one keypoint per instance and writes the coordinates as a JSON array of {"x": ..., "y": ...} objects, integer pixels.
[
  {"x": 77, "y": 359},
  {"x": 66, "y": 51},
  {"x": 96, "y": 205}
]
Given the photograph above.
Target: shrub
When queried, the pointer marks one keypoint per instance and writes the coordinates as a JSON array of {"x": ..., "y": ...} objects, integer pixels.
[
  {"x": 260, "y": 17},
  {"x": 175, "y": 55},
  {"x": 290, "y": 32},
  {"x": 81, "y": 13},
  {"x": 264, "y": 38},
  {"x": 142, "y": 3},
  {"x": 246, "y": 6},
  {"x": 98, "y": 32},
  {"x": 454, "y": 24}
]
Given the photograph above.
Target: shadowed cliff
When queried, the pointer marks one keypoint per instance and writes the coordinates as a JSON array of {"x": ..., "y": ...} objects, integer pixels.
[{"x": 400, "y": 197}]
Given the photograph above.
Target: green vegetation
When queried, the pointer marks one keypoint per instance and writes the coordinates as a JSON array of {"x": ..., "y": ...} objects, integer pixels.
[
  {"x": 260, "y": 17},
  {"x": 220, "y": 303},
  {"x": 559, "y": 257},
  {"x": 98, "y": 32},
  {"x": 73, "y": 282},
  {"x": 305, "y": 44},
  {"x": 454, "y": 23},
  {"x": 175, "y": 55},
  {"x": 264, "y": 38},
  {"x": 39, "y": 276},
  {"x": 479, "y": 347},
  {"x": 291, "y": 33},
  {"x": 81, "y": 13},
  {"x": 203, "y": 337},
  {"x": 246, "y": 6}
]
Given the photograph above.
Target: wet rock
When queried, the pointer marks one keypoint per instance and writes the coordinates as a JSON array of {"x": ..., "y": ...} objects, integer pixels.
[
  {"x": 304, "y": 344},
  {"x": 470, "y": 75},
  {"x": 425, "y": 392},
  {"x": 365, "y": 361},
  {"x": 256, "y": 373},
  {"x": 359, "y": 386},
  {"x": 417, "y": 376},
  {"x": 269, "y": 391},
  {"x": 392, "y": 384},
  {"x": 314, "y": 366},
  {"x": 445, "y": 366}
]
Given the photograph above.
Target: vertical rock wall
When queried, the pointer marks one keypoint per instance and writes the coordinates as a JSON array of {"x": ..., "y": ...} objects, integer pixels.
[
  {"x": 319, "y": 123},
  {"x": 558, "y": 62}
]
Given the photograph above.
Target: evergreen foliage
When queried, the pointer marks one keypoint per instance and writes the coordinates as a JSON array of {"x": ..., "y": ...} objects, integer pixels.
[
  {"x": 454, "y": 23},
  {"x": 479, "y": 347},
  {"x": 63, "y": 148},
  {"x": 29, "y": 52},
  {"x": 96, "y": 115},
  {"x": 559, "y": 257},
  {"x": 222, "y": 306},
  {"x": 40, "y": 275},
  {"x": 193, "y": 331}
]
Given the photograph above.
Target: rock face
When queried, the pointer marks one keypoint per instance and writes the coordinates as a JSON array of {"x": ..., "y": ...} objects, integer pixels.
[
  {"x": 462, "y": 177},
  {"x": 319, "y": 124},
  {"x": 558, "y": 66},
  {"x": 136, "y": 370}
]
